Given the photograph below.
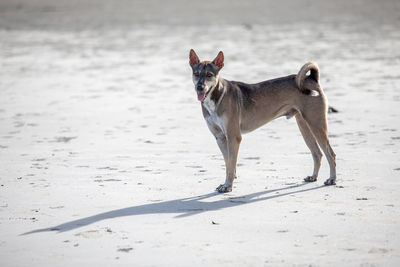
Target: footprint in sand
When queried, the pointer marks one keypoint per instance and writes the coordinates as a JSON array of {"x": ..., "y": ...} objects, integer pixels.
[{"x": 90, "y": 234}]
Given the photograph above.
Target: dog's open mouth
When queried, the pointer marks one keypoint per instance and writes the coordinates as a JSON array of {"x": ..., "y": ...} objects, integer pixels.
[{"x": 201, "y": 96}]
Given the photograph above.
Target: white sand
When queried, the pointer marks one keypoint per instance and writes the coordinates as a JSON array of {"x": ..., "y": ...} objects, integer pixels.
[{"x": 106, "y": 159}]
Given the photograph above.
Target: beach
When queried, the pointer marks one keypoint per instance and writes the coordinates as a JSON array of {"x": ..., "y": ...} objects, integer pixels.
[{"x": 106, "y": 160}]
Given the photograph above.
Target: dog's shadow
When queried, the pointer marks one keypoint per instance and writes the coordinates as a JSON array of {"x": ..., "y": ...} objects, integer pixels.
[{"x": 183, "y": 207}]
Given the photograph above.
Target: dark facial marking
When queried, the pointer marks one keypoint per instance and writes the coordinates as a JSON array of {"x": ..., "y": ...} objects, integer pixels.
[
  {"x": 205, "y": 70},
  {"x": 204, "y": 73}
]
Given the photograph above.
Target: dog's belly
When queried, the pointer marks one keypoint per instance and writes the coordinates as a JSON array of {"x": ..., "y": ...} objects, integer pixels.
[
  {"x": 251, "y": 121},
  {"x": 248, "y": 127},
  {"x": 255, "y": 120}
]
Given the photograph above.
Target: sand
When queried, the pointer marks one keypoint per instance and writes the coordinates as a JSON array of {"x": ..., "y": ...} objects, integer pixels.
[{"x": 105, "y": 158}]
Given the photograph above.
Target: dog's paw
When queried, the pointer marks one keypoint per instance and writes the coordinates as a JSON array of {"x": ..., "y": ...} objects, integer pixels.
[
  {"x": 224, "y": 188},
  {"x": 310, "y": 179},
  {"x": 330, "y": 181}
]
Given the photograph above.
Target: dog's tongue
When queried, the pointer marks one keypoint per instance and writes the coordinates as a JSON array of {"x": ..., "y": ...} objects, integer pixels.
[{"x": 201, "y": 96}]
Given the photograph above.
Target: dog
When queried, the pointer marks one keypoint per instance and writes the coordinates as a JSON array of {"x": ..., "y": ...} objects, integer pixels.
[{"x": 233, "y": 108}]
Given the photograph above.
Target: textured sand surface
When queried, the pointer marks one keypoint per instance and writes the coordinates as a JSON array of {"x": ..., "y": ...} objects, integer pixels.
[{"x": 105, "y": 159}]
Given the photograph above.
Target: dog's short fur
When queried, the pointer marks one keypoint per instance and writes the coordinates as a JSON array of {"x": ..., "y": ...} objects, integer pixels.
[{"x": 234, "y": 108}]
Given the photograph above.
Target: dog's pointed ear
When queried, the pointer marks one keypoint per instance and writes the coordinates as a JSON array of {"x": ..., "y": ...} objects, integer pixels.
[
  {"x": 193, "y": 58},
  {"x": 219, "y": 60}
]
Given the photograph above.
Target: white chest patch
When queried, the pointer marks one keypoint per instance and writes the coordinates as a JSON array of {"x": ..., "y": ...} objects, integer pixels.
[
  {"x": 213, "y": 120},
  {"x": 209, "y": 104}
]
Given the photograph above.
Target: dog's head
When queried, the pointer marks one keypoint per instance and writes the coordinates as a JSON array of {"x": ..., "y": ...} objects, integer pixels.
[{"x": 205, "y": 73}]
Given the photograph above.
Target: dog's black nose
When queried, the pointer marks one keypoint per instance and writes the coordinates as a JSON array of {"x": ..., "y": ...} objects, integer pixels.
[{"x": 200, "y": 87}]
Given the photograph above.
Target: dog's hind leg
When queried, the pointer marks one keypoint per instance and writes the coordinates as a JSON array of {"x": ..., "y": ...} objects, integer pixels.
[
  {"x": 319, "y": 127},
  {"x": 312, "y": 145}
]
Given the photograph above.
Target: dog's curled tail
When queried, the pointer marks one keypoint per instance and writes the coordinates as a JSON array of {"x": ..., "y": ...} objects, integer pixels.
[{"x": 301, "y": 76}]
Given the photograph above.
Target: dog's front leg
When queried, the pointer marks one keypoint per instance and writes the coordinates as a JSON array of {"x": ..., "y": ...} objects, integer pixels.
[
  {"x": 232, "y": 143},
  {"x": 222, "y": 144}
]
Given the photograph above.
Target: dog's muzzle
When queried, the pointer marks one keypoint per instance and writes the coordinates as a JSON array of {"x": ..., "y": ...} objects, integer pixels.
[{"x": 201, "y": 94}]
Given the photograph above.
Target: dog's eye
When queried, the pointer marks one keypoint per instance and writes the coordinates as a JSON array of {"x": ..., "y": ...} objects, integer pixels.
[
  {"x": 196, "y": 74},
  {"x": 209, "y": 75}
]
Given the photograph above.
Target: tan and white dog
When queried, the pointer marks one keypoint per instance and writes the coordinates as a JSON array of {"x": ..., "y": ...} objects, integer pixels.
[{"x": 234, "y": 108}]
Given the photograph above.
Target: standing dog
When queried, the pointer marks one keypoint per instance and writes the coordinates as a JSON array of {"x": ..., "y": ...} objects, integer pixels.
[{"x": 234, "y": 108}]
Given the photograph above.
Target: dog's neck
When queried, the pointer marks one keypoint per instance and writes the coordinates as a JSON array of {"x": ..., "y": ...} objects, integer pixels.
[
  {"x": 215, "y": 96},
  {"x": 217, "y": 86}
]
